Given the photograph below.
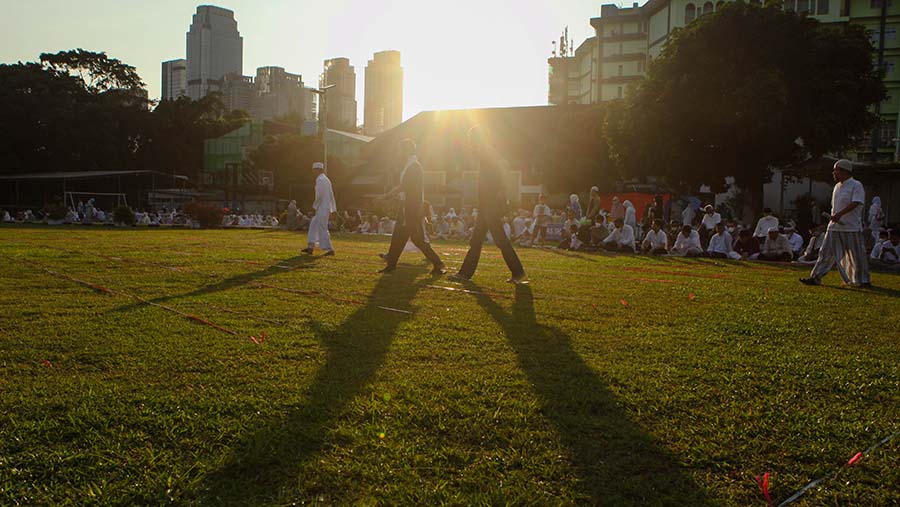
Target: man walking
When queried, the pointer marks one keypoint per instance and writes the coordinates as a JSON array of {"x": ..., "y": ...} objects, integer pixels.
[
  {"x": 411, "y": 225},
  {"x": 325, "y": 207},
  {"x": 843, "y": 242},
  {"x": 491, "y": 206}
]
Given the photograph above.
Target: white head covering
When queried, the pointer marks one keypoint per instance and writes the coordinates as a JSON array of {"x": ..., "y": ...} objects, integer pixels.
[
  {"x": 844, "y": 164},
  {"x": 627, "y": 204},
  {"x": 318, "y": 165},
  {"x": 876, "y": 203},
  {"x": 573, "y": 198},
  {"x": 772, "y": 229}
]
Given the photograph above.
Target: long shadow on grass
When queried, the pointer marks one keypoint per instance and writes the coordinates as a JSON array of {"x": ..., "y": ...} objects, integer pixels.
[
  {"x": 296, "y": 262},
  {"x": 267, "y": 463},
  {"x": 617, "y": 462}
]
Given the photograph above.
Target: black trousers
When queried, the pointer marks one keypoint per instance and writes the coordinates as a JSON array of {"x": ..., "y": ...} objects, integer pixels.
[
  {"x": 483, "y": 224},
  {"x": 405, "y": 231}
]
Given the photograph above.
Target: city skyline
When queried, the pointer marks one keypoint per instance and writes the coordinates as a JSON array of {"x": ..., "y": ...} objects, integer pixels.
[{"x": 499, "y": 59}]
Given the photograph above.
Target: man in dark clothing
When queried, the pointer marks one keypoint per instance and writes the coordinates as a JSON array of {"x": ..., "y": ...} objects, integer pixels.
[
  {"x": 411, "y": 224},
  {"x": 491, "y": 207}
]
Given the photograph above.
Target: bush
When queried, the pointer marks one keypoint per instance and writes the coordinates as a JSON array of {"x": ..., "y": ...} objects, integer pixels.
[
  {"x": 123, "y": 215},
  {"x": 56, "y": 211},
  {"x": 205, "y": 214}
]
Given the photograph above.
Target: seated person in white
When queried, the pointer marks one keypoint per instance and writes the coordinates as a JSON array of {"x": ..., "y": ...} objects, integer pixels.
[
  {"x": 656, "y": 241},
  {"x": 888, "y": 253},
  {"x": 443, "y": 229},
  {"x": 687, "y": 243},
  {"x": 709, "y": 221},
  {"x": 794, "y": 239},
  {"x": 720, "y": 244},
  {"x": 765, "y": 223},
  {"x": 776, "y": 247},
  {"x": 574, "y": 242},
  {"x": 621, "y": 238}
]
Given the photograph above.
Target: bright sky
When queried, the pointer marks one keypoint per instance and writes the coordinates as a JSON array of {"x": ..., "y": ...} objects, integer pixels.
[{"x": 459, "y": 54}]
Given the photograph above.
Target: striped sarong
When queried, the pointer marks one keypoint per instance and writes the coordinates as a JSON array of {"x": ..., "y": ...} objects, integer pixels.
[{"x": 848, "y": 251}]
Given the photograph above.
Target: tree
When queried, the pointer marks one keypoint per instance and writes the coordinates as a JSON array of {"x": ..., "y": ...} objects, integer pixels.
[
  {"x": 98, "y": 72},
  {"x": 742, "y": 90},
  {"x": 577, "y": 156},
  {"x": 290, "y": 158}
]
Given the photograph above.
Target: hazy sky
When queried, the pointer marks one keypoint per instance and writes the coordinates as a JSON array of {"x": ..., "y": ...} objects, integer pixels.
[{"x": 457, "y": 54}]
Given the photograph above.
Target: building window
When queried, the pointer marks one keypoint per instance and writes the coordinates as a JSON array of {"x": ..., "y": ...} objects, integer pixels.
[
  {"x": 619, "y": 93},
  {"x": 620, "y": 70},
  {"x": 641, "y": 65},
  {"x": 802, "y": 6},
  {"x": 719, "y": 5},
  {"x": 690, "y": 12},
  {"x": 876, "y": 4},
  {"x": 888, "y": 68},
  {"x": 890, "y": 33},
  {"x": 822, "y": 7},
  {"x": 707, "y": 8}
]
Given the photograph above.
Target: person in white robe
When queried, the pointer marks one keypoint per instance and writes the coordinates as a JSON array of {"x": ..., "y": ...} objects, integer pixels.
[
  {"x": 630, "y": 214},
  {"x": 621, "y": 238},
  {"x": 291, "y": 216},
  {"x": 876, "y": 217},
  {"x": 325, "y": 207},
  {"x": 656, "y": 241},
  {"x": 765, "y": 223},
  {"x": 721, "y": 244},
  {"x": 88, "y": 212},
  {"x": 687, "y": 243},
  {"x": 794, "y": 239}
]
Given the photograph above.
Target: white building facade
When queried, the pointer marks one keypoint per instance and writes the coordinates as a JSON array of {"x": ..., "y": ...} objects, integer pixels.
[{"x": 174, "y": 79}]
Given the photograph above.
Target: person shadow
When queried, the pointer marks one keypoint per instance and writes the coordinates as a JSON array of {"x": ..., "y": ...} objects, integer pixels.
[
  {"x": 617, "y": 462},
  {"x": 283, "y": 266},
  {"x": 264, "y": 464}
]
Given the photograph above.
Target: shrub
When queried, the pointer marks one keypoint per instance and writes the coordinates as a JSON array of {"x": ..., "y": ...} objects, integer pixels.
[
  {"x": 56, "y": 211},
  {"x": 204, "y": 213},
  {"x": 123, "y": 215}
]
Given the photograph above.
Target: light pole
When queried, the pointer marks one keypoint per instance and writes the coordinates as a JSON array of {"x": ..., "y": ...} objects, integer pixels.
[{"x": 323, "y": 116}]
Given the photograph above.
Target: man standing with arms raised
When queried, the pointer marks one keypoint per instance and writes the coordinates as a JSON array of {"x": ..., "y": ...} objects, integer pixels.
[
  {"x": 843, "y": 242},
  {"x": 411, "y": 225},
  {"x": 491, "y": 206},
  {"x": 325, "y": 207}
]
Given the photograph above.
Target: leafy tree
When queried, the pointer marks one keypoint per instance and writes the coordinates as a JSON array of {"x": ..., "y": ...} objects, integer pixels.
[
  {"x": 577, "y": 156},
  {"x": 290, "y": 158},
  {"x": 742, "y": 90},
  {"x": 98, "y": 72}
]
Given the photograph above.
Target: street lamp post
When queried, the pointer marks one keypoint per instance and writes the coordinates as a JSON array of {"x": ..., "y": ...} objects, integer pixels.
[{"x": 323, "y": 115}]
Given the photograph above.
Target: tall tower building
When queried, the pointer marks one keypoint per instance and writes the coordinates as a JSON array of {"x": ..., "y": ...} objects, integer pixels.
[
  {"x": 174, "y": 79},
  {"x": 341, "y": 100},
  {"x": 214, "y": 48},
  {"x": 384, "y": 93}
]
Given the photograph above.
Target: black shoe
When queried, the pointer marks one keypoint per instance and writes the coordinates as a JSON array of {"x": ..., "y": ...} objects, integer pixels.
[
  {"x": 307, "y": 251},
  {"x": 865, "y": 286},
  {"x": 810, "y": 281},
  {"x": 457, "y": 277},
  {"x": 439, "y": 270},
  {"x": 328, "y": 253},
  {"x": 387, "y": 270},
  {"x": 383, "y": 256}
]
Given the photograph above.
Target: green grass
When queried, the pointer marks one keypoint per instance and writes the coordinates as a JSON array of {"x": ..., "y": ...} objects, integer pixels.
[{"x": 552, "y": 393}]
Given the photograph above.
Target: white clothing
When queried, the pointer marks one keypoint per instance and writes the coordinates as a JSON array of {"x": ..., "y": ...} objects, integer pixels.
[
  {"x": 720, "y": 243},
  {"x": 846, "y": 192},
  {"x": 684, "y": 243},
  {"x": 876, "y": 217},
  {"x": 654, "y": 240},
  {"x": 324, "y": 206},
  {"x": 890, "y": 252},
  {"x": 796, "y": 242},
  {"x": 519, "y": 225},
  {"x": 622, "y": 237},
  {"x": 324, "y": 202},
  {"x": 709, "y": 221},
  {"x": 630, "y": 214},
  {"x": 687, "y": 216},
  {"x": 765, "y": 223}
]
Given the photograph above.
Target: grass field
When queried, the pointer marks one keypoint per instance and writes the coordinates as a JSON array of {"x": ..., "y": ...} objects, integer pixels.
[{"x": 129, "y": 376}]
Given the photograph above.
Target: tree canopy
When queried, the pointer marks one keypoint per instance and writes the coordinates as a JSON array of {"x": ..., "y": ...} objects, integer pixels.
[
  {"x": 739, "y": 91},
  {"x": 80, "y": 110}
]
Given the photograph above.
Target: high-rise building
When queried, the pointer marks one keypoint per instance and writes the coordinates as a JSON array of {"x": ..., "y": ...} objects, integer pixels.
[
  {"x": 384, "y": 93},
  {"x": 214, "y": 49},
  {"x": 279, "y": 93},
  {"x": 341, "y": 100},
  {"x": 238, "y": 92},
  {"x": 174, "y": 79}
]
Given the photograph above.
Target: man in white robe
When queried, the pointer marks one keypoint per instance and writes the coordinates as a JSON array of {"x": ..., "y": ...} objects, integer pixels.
[{"x": 325, "y": 207}]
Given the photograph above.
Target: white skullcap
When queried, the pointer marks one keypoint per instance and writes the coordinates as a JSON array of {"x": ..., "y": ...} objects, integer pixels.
[
  {"x": 318, "y": 165},
  {"x": 595, "y": 189},
  {"x": 773, "y": 229},
  {"x": 844, "y": 164}
]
